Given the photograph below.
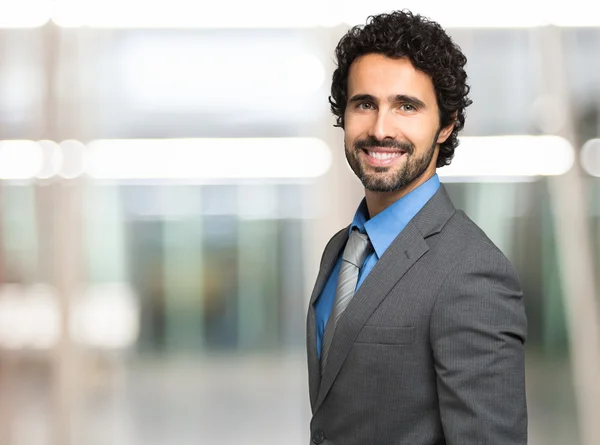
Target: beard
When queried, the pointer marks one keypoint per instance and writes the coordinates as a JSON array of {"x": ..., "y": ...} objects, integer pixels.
[{"x": 384, "y": 179}]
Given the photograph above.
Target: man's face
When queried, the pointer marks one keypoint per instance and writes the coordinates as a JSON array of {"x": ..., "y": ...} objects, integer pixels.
[{"x": 391, "y": 131}]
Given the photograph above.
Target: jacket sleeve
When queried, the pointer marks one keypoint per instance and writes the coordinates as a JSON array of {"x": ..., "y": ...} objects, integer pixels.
[{"x": 478, "y": 329}]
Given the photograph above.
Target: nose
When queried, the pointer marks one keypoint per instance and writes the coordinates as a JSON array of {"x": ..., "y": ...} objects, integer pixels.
[{"x": 383, "y": 126}]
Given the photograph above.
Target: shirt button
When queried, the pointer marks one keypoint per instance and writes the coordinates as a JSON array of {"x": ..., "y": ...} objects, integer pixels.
[{"x": 318, "y": 437}]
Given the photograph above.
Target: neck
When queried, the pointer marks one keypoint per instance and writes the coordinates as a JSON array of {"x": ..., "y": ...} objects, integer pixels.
[{"x": 377, "y": 202}]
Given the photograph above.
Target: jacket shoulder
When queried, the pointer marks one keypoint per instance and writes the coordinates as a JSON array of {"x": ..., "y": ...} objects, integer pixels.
[{"x": 464, "y": 241}]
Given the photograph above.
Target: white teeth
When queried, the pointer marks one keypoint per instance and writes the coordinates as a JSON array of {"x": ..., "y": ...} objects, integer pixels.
[{"x": 383, "y": 156}]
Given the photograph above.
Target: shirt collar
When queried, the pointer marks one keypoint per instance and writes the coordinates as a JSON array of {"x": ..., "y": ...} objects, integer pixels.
[{"x": 387, "y": 225}]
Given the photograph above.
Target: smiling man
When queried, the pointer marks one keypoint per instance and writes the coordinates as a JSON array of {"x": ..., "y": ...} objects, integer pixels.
[{"x": 416, "y": 323}]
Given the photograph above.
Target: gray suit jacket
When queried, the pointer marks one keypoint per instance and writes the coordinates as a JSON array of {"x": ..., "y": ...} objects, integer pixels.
[{"x": 430, "y": 349}]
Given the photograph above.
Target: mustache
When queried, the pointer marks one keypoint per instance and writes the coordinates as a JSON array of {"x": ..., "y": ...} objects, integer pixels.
[{"x": 373, "y": 142}]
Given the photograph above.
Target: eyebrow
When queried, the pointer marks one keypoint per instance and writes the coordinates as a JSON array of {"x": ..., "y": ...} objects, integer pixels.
[
  {"x": 362, "y": 98},
  {"x": 403, "y": 98}
]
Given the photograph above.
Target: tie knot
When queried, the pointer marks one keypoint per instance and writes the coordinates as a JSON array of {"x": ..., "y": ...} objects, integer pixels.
[{"x": 357, "y": 248}]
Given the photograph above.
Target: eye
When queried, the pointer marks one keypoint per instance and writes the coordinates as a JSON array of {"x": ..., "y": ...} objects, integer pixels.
[
  {"x": 365, "y": 106},
  {"x": 409, "y": 108}
]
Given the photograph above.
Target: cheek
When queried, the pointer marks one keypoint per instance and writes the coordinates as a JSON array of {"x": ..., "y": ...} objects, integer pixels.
[
  {"x": 350, "y": 123},
  {"x": 351, "y": 131},
  {"x": 419, "y": 133}
]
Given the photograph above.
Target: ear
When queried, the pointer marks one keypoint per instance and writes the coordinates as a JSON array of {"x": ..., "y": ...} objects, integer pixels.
[{"x": 447, "y": 131}]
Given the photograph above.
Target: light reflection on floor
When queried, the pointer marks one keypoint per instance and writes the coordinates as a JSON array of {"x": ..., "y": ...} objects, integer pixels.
[{"x": 225, "y": 400}]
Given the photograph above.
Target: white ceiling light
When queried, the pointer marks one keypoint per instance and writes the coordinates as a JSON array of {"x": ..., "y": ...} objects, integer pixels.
[
  {"x": 509, "y": 157},
  {"x": 186, "y": 14},
  {"x": 590, "y": 157},
  {"x": 213, "y": 159},
  {"x": 24, "y": 13},
  {"x": 52, "y": 159},
  {"x": 276, "y": 14},
  {"x": 20, "y": 159},
  {"x": 73, "y": 157},
  {"x": 106, "y": 316},
  {"x": 312, "y": 13},
  {"x": 512, "y": 14},
  {"x": 29, "y": 317},
  {"x": 226, "y": 73}
]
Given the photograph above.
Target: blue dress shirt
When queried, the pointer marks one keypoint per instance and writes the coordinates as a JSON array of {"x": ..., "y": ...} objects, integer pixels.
[{"x": 382, "y": 229}]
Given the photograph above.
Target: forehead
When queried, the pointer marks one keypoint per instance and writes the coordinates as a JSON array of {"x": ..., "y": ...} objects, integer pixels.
[{"x": 382, "y": 76}]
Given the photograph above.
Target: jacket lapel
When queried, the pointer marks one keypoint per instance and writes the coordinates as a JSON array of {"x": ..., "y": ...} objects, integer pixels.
[{"x": 330, "y": 256}]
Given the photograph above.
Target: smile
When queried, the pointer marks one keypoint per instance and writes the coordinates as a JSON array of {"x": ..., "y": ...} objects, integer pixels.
[
  {"x": 382, "y": 158},
  {"x": 384, "y": 155}
]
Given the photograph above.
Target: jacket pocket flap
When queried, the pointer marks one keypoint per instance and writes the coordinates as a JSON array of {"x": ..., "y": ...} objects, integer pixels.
[{"x": 386, "y": 335}]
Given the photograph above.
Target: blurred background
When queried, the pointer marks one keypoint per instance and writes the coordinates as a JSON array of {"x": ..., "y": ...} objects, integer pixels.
[{"x": 169, "y": 176}]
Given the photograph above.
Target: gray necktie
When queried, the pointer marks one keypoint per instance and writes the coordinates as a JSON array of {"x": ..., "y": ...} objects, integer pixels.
[{"x": 357, "y": 249}]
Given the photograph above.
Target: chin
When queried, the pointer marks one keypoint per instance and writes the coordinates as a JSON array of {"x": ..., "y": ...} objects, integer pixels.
[{"x": 381, "y": 185}]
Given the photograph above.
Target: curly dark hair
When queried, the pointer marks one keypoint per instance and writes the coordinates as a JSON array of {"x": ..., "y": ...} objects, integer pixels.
[{"x": 430, "y": 50}]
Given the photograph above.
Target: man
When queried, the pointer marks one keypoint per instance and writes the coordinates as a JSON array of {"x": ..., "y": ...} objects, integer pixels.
[{"x": 416, "y": 323}]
